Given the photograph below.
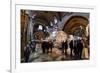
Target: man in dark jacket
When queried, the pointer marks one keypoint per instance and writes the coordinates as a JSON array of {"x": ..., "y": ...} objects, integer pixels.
[
  {"x": 63, "y": 47},
  {"x": 80, "y": 48},
  {"x": 71, "y": 45},
  {"x": 50, "y": 45},
  {"x": 27, "y": 53},
  {"x": 43, "y": 46},
  {"x": 66, "y": 47}
]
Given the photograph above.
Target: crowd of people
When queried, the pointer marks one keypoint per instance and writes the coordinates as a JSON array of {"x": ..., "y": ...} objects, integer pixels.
[{"x": 76, "y": 47}]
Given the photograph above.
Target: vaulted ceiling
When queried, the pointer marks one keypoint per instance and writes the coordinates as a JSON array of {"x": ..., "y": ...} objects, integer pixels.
[
  {"x": 45, "y": 17},
  {"x": 74, "y": 23}
]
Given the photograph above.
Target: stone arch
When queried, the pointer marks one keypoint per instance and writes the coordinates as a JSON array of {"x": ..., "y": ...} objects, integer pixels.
[{"x": 74, "y": 22}]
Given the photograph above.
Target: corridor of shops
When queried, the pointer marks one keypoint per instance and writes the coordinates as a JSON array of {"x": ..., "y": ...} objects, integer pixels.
[{"x": 48, "y": 36}]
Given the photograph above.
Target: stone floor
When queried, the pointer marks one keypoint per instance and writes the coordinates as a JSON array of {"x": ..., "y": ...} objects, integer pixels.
[{"x": 56, "y": 55}]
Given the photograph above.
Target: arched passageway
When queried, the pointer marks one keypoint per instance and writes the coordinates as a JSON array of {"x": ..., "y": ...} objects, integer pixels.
[
  {"x": 75, "y": 23},
  {"x": 53, "y": 28}
]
